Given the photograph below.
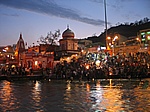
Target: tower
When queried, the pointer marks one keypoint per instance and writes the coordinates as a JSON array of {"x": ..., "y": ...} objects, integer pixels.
[{"x": 20, "y": 48}]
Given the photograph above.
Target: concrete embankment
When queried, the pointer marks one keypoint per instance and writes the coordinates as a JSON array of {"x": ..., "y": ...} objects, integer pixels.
[{"x": 45, "y": 77}]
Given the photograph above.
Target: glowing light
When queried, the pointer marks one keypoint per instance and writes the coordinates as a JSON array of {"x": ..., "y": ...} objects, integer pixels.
[
  {"x": 37, "y": 86},
  {"x": 98, "y": 48},
  {"x": 87, "y": 87},
  {"x": 137, "y": 39},
  {"x": 97, "y": 62},
  {"x": 148, "y": 32},
  {"x": 108, "y": 38},
  {"x": 36, "y": 63},
  {"x": 116, "y": 37},
  {"x": 109, "y": 43},
  {"x": 68, "y": 87},
  {"x": 110, "y": 83},
  {"x": 13, "y": 66},
  {"x": 6, "y": 48},
  {"x": 142, "y": 33},
  {"x": 110, "y": 73},
  {"x": 103, "y": 48},
  {"x": 148, "y": 37},
  {"x": 52, "y": 53},
  {"x": 87, "y": 66}
]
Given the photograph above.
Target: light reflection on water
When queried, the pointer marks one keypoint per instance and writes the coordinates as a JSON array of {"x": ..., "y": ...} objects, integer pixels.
[
  {"x": 36, "y": 95},
  {"x": 85, "y": 96}
]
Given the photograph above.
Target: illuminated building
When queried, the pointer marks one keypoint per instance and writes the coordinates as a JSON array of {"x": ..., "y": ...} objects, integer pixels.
[
  {"x": 35, "y": 57},
  {"x": 144, "y": 35},
  {"x": 140, "y": 43},
  {"x": 7, "y": 56},
  {"x": 68, "y": 45},
  {"x": 37, "y": 60}
]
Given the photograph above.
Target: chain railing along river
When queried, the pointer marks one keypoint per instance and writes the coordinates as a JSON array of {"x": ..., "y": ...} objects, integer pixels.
[{"x": 111, "y": 95}]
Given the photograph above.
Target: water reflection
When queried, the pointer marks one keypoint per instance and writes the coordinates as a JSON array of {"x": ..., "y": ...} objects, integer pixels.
[
  {"x": 36, "y": 95},
  {"x": 87, "y": 87},
  {"x": 7, "y": 98},
  {"x": 85, "y": 96},
  {"x": 104, "y": 99},
  {"x": 68, "y": 87}
]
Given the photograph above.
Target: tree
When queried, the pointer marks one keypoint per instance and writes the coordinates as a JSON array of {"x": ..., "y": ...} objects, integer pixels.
[
  {"x": 146, "y": 20},
  {"x": 51, "y": 38}
]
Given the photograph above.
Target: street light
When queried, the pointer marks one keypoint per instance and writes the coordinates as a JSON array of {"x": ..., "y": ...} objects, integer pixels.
[
  {"x": 114, "y": 39},
  {"x": 111, "y": 42}
]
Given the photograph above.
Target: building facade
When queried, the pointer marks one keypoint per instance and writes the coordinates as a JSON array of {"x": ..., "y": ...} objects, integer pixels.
[
  {"x": 34, "y": 57},
  {"x": 36, "y": 60},
  {"x": 68, "y": 44}
]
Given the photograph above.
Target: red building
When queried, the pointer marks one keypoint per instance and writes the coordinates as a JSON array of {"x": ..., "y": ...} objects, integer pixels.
[
  {"x": 36, "y": 60},
  {"x": 34, "y": 57}
]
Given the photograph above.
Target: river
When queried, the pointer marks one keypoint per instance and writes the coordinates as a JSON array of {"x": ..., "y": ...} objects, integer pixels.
[{"x": 111, "y": 95}]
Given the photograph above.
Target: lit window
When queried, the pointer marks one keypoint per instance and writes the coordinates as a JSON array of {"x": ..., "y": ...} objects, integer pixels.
[
  {"x": 148, "y": 32},
  {"x": 36, "y": 63},
  {"x": 148, "y": 37},
  {"x": 143, "y": 33}
]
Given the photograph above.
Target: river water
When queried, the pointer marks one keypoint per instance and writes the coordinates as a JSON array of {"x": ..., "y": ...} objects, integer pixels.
[{"x": 111, "y": 95}]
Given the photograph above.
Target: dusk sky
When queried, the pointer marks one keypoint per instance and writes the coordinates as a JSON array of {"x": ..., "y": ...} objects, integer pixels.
[{"x": 34, "y": 18}]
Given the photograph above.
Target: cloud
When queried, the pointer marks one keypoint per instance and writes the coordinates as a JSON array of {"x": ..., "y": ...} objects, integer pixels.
[
  {"x": 111, "y": 5},
  {"x": 49, "y": 7},
  {"x": 13, "y": 15},
  {"x": 97, "y": 1}
]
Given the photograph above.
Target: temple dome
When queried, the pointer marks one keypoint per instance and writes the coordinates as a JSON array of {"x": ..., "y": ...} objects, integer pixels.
[{"x": 68, "y": 34}]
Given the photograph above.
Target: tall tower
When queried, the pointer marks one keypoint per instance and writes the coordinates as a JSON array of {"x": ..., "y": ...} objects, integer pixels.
[{"x": 20, "y": 48}]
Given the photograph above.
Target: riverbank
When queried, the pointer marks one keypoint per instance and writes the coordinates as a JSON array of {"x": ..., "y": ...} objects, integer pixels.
[
  {"x": 16, "y": 78},
  {"x": 53, "y": 77}
]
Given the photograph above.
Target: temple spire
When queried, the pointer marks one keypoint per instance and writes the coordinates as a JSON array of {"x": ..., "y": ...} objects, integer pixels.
[{"x": 20, "y": 35}]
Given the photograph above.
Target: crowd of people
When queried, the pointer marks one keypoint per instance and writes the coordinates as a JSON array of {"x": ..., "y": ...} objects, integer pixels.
[
  {"x": 121, "y": 66},
  {"x": 19, "y": 71},
  {"x": 23, "y": 71}
]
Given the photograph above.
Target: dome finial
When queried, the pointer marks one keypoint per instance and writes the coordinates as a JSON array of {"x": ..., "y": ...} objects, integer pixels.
[{"x": 67, "y": 26}]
